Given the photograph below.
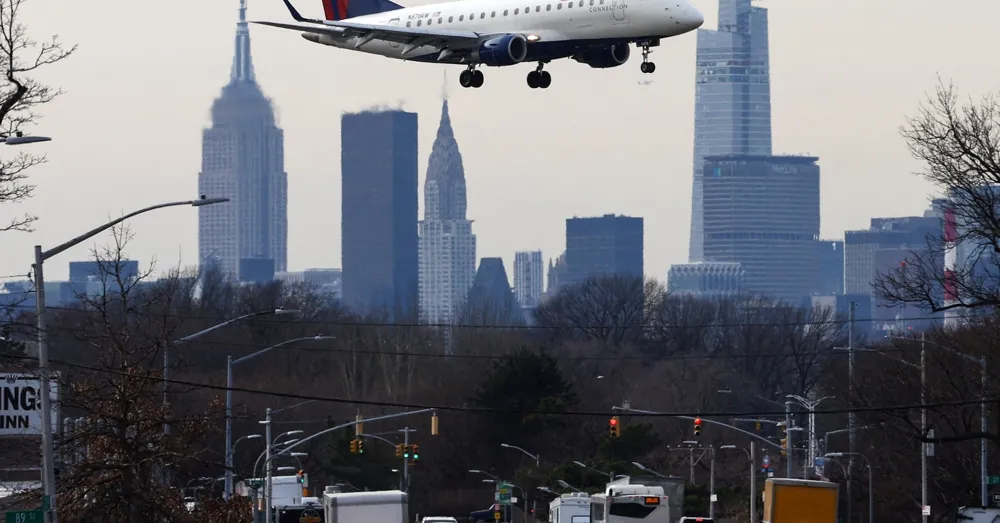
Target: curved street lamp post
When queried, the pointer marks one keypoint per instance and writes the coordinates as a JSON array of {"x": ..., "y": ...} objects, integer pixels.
[{"x": 48, "y": 457}]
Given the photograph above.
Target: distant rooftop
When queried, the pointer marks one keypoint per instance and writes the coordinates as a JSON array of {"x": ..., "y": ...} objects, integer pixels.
[{"x": 774, "y": 158}]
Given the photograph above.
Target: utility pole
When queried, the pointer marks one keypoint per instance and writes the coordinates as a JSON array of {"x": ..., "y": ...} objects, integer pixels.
[
  {"x": 711, "y": 484},
  {"x": 923, "y": 427},
  {"x": 753, "y": 481},
  {"x": 851, "y": 422},
  {"x": 788, "y": 439},
  {"x": 268, "y": 515},
  {"x": 406, "y": 461},
  {"x": 691, "y": 454}
]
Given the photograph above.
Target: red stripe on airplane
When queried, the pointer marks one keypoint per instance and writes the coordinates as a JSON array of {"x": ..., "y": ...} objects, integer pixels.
[
  {"x": 328, "y": 9},
  {"x": 342, "y": 5}
]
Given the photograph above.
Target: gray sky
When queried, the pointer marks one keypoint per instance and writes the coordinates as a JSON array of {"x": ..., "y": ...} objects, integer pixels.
[{"x": 844, "y": 74}]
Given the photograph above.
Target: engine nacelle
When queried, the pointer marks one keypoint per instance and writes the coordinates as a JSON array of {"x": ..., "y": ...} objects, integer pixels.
[
  {"x": 604, "y": 56},
  {"x": 510, "y": 49}
]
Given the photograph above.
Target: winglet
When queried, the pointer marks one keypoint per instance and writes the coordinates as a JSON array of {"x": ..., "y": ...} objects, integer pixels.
[{"x": 295, "y": 13}]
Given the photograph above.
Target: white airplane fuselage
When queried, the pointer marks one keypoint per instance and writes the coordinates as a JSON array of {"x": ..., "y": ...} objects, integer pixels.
[{"x": 554, "y": 29}]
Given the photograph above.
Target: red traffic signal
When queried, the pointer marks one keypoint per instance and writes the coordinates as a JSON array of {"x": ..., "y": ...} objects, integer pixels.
[
  {"x": 697, "y": 421},
  {"x": 614, "y": 428},
  {"x": 613, "y": 422},
  {"x": 697, "y": 426}
]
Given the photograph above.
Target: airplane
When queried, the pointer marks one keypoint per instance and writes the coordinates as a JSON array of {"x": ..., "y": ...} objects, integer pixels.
[{"x": 500, "y": 33}]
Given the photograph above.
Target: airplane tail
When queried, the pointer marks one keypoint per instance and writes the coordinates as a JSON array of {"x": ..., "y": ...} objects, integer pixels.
[{"x": 336, "y": 10}]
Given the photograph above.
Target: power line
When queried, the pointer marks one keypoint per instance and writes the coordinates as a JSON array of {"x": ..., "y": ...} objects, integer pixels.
[
  {"x": 348, "y": 323},
  {"x": 483, "y": 410},
  {"x": 437, "y": 355}
]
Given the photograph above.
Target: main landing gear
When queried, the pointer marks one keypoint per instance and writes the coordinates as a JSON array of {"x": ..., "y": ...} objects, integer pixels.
[
  {"x": 471, "y": 77},
  {"x": 647, "y": 66},
  {"x": 539, "y": 79}
]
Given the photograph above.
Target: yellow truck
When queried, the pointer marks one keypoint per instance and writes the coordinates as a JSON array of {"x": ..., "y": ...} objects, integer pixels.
[{"x": 800, "y": 501}]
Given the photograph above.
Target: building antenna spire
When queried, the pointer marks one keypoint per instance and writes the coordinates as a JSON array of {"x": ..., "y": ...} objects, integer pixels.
[{"x": 444, "y": 86}]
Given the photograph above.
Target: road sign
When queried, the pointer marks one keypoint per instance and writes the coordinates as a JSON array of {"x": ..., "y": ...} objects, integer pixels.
[
  {"x": 504, "y": 493},
  {"x": 23, "y": 516},
  {"x": 926, "y": 510},
  {"x": 994, "y": 480},
  {"x": 21, "y": 405},
  {"x": 767, "y": 461}
]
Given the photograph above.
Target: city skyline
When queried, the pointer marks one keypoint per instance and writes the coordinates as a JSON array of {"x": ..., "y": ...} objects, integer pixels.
[{"x": 167, "y": 139}]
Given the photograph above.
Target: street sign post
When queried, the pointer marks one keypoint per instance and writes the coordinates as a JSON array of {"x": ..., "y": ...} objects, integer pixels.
[
  {"x": 994, "y": 480},
  {"x": 504, "y": 492},
  {"x": 23, "y": 516}
]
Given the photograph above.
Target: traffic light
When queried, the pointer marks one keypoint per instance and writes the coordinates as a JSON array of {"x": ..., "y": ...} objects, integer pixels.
[
  {"x": 614, "y": 427},
  {"x": 300, "y": 476},
  {"x": 757, "y": 426},
  {"x": 399, "y": 450},
  {"x": 784, "y": 446},
  {"x": 406, "y": 451},
  {"x": 361, "y": 446},
  {"x": 416, "y": 453},
  {"x": 354, "y": 446},
  {"x": 697, "y": 426}
]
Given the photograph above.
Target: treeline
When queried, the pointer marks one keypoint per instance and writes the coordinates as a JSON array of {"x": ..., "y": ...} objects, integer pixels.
[{"x": 548, "y": 388}]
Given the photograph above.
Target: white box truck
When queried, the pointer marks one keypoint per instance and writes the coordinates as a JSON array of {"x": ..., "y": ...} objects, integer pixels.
[
  {"x": 570, "y": 508},
  {"x": 384, "y": 506}
]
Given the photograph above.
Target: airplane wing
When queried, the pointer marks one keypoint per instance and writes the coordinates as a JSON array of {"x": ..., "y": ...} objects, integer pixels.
[{"x": 411, "y": 37}]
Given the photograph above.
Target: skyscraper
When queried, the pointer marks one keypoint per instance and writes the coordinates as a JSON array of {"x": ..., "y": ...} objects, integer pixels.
[
  {"x": 447, "y": 245},
  {"x": 243, "y": 159},
  {"x": 528, "y": 283},
  {"x": 378, "y": 167},
  {"x": 763, "y": 213},
  {"x": 603, "y": 246},
  {"x": 732, "y": 97}
]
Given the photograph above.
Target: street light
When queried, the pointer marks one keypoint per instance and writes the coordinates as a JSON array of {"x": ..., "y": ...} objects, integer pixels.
[
  {"x": 811, "y": 407},
  {"x": 20, "y": 139},
  {"x": 752, "y": 454},
  {"x": 229, "y": 402},
  {"x": 48, "y": 456},
  {"x": 526, "y": 453},
  {"x": 567, "y": 486},
  {"x": 871, "y": 491},
  {"x": 643, "y": 468},
  {"x": 610, "y": 476},
  {"x": 483, "y": 472},
  {"x": 190, "y": 337}
]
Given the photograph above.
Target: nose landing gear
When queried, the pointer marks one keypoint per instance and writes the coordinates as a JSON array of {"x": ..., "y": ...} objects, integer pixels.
[{"x": 647, "y": 66}]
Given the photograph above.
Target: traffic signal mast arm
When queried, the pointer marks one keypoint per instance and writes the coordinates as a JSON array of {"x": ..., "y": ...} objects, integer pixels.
[{"x": 704, "y": 420}]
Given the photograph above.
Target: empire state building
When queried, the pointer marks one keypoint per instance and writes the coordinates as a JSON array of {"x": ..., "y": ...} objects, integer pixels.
[{"x": 243, "y": 160}]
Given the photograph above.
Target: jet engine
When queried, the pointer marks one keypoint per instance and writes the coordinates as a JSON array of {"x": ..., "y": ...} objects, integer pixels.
[
  {"x": 604, "y": 56},
  {"x": 509, "y": 49}
]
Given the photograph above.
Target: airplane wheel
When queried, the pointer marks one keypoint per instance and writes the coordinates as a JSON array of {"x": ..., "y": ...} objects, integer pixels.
[
  {"x": 651, "y": 67},
  {"x": 534, "y": 79},
  {"x": 545, "y": 79},
  {"x": 466, "y": 78},
  {"x": 477, "y": 79},
  {"x": 644, "y": 67}
]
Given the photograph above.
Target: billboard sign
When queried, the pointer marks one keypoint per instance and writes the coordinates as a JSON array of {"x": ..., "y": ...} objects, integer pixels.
[{"x": 21, "y": 405}]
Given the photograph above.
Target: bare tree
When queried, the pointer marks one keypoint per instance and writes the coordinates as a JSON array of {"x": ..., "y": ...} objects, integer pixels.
[
  {"x": 20, "y": 97},
  {"x": 959, "y": 146},
  {"x": 609, "y": 309},
  {"x": 116, "y": 459}
]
